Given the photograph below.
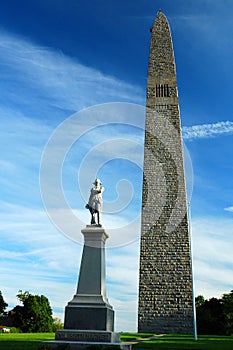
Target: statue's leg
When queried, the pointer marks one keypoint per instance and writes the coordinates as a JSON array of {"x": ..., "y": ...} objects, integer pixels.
[
  {"x": 92, "y": 211},
  {"x": 98, "y": 217},
  {"x": 95, "y": 214}
]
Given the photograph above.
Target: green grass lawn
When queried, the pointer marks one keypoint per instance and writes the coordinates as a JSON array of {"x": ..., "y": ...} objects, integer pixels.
[
  {"x": 23, "y": 341},
  {"x": 31, "y": 341},
  {"x": 181, "y": 342}
]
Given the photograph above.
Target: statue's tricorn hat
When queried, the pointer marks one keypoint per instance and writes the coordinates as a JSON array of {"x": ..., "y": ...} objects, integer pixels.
[{"x": 97, "y": 181}]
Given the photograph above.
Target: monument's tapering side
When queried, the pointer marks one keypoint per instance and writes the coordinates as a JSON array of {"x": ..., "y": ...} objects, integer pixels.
[{"x": 165, "y": 285}]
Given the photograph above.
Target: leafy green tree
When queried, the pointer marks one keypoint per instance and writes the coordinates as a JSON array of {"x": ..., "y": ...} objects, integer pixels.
[
  {"x": 199, "y": 300},
  {"x": 215, "y": 316},
  {"x": 3, "y": 305},
  {"x": 227, "y": 301},
  {"x": 57, "y": 324},
  {"x": 35, "y": 315},
  {"x": 210, "y": 317}
]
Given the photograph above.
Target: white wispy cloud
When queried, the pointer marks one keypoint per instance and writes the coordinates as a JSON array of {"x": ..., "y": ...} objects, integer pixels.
[
  {"x": 229, "y": 209},
  {"x": 207, "y": 130},
  {"x": 212, "y": 251},
  {"x": 122, "y": 276},
  {"x": 213, "y": 29},
  {"x": 59, "y": 80}
]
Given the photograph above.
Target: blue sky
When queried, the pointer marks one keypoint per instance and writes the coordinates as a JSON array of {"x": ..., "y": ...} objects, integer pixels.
[{"x": 59, "y": 57}]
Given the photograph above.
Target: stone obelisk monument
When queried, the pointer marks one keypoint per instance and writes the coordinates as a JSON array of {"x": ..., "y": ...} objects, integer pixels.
[{"x": 165, "y": 285}]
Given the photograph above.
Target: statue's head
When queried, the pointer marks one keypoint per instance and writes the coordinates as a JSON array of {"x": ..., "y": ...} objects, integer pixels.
[{"x": 97, "y": 182}]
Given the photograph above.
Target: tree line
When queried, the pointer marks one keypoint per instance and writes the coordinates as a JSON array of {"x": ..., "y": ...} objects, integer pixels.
[
  {"x": 215, "y": 316},
  {"x": 33, "y": 315}
]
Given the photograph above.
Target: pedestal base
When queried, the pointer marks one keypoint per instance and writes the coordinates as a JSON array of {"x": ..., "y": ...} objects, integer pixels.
[
  {"x": 75, "y": 345},
  {"x": 87, "y": 336}
]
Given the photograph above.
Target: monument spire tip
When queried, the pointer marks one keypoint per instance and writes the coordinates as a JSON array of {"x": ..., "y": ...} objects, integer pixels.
[{"x": 160, "y": 12}]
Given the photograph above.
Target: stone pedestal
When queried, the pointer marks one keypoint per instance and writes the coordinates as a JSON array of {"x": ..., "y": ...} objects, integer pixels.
[
  {"x": 89, "y": 309},
  {"x": 88, "y": 316}
]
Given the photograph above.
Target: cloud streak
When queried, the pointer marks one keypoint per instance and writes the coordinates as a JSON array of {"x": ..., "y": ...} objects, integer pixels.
[
  {"x": 229, "y": 209},
  {"x": 207, "y": 130},
  {"x": 57, "y": 79},
  {"x": 212, "y": 250}
]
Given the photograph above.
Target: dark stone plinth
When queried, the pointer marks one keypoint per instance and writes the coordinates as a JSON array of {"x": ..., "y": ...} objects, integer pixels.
[
  {"x": 88, "y": 336},
  {"x": 88, "y": 317}
]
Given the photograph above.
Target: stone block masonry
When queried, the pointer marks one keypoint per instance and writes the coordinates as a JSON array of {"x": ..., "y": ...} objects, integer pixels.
[{"x": 165, "y": 281}]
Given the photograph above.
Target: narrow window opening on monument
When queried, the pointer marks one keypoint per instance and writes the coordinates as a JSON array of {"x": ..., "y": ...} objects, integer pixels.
[{"x": 162, "y": 90}]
